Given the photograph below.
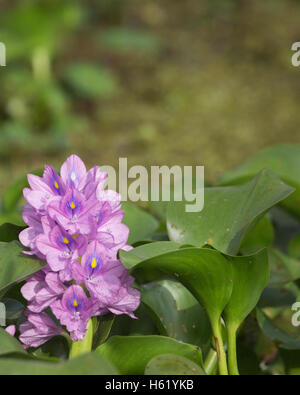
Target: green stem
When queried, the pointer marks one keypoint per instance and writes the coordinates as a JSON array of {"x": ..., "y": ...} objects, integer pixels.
[
  {"x": 211, "y": 361},
  {"x": 222, "y": 362},
  {"x": 232, "y": 357},
  {"x": 85, "y": 345}
]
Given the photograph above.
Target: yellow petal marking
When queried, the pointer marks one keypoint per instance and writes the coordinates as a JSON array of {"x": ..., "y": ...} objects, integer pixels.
[
  {"x": 56, "y": 185},
  {"x": 72, "y": 205},
  {"x": 75, "y": 304},
  {"x": 66, "y": 241},
  {"x": 94, "y": 263}
]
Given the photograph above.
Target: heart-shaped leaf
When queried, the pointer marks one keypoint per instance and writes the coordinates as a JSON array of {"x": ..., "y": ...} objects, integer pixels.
[
  {"x": 284, "y": 160},
  {"x": 206, "y": 273},
  {"x": 250, "y": 277},
  {"x": 142, "y": 225},
  {"x": 130, "y": 354},
  {"x": 14, "y": 265},
  {"x": 87, "y": 364},
  {"x": 228, "y": 213},
  {"x": 176, "y": 312},
  {"x": 170, "y": 364}
]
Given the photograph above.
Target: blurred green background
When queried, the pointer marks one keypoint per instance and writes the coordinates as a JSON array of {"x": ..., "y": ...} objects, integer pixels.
[{"x": 160, "y": 82}]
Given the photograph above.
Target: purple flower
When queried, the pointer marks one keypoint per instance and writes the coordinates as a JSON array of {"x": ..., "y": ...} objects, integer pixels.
[
  {"x": 74, "y": 310},
  {"x": 73, "y": 211},
  {"x": 73, "y": 172},
  {"x": 60, "y": 248},
  {"x": 38, "y": 329},
  {"x": 42, "y": 289},
  {"x": 76, "y": 226}
]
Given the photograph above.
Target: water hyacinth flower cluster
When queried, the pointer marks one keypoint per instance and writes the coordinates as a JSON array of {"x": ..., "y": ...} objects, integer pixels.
[{"x": 75, "y": 224}]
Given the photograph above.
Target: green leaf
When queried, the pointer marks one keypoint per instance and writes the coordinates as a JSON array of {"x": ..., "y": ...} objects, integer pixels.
[
  {"x": 250, "y": 276},
  {"x": 284, "y": 160},
  {"x": 261, "y": 235},
  {"x": 86, "y": 364},
  {"x": 130, "y": 354},
  {"x": 10, "y": 232},
  {"x": 145, "y": 251},
  {"x": 206, "y": 273},
  {"x": 284, "y": 340},
  {"x": 176, "y": 312},
  {"x": 169, "y": 364},
  {"x": 90, "y": 80},
  {"x": 14, "y": 265},
  {"x": 228, "y": 213},
  {"x": 141, "y": 224},
  {"x": 9, "y": 344}
]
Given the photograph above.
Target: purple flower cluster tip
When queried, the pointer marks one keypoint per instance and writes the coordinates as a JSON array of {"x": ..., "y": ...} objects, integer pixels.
[{"x": 76, "y": 226}]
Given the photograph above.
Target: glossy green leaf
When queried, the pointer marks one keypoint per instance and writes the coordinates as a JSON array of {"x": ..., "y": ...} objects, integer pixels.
[
  {"x": 284, "y": 160},
  {"x": 206, "y": 273},
  {"x": 250, "y": 276},
  {"x": 142, "y": 225},
  {"x": 176, "y": 312},
  {"x": 285, "y": 340},
  {"x": 86, "y": 364},
  {"x": 9, "y": 344},
  {"x": 228, "y": 213},
  {"x": 145, "y": 251},
  {"x": 170, "y": 364},
  {"x": 14, "y": 265},
  {"x": 131, "y": 354}
]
